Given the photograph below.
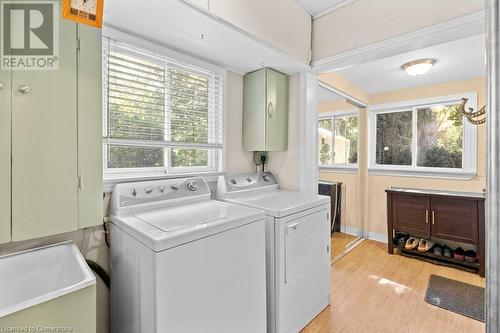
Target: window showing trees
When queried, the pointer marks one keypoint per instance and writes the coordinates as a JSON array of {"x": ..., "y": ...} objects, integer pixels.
[
  {"x": 159, "y": 114},
  {"x": 338, "y": 140},
  {"x": 394, "y": 135},
  {"x": 440, "y": 137},
  {"x": 427, "y": 136}
]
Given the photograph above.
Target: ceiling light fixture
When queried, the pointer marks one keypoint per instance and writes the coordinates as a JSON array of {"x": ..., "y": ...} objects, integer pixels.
[{"x": 418, "y": 67}]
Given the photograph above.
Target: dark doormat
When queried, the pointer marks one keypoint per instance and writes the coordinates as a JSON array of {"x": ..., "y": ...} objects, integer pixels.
[{"x": 456, "y": 296}]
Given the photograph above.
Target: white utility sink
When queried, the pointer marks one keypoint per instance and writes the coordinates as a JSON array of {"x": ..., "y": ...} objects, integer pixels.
[{"x": 38, "y": 275}]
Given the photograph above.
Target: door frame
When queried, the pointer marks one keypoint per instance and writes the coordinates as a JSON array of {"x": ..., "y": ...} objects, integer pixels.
[{"x": 493, "y": 168}]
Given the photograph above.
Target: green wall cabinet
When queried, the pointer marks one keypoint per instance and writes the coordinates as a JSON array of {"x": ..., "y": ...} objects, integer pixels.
[
  {"x": 5, "y": 107},
  {"x": 265, "y": 111},
  {"x": 54, "y": 160}
]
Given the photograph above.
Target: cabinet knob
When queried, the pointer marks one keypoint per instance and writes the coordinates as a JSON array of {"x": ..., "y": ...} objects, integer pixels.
[
  {"x": 1, "y": 85},
  {"x": 24, "y": 89},
  {"x": 270, "y": 109}
]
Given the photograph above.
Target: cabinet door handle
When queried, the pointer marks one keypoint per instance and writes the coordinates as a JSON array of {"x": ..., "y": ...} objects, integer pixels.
[
  {"x": 23, "y": 89},
  {"x": 270, "y": 109},
  {"x": 291, "y": 228},
  {"x": 433, "y": 217},
  {"x": 426, "y": 216}
]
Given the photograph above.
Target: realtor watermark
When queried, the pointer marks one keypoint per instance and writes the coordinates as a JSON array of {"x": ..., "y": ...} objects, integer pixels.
[
  {"x": 29, "y": 35},
  {"x": 37, "y": 328}
]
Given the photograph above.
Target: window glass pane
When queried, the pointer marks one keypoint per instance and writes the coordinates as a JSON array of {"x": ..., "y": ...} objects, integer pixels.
[
  {"x": 189, "y": 157},
  {"x": 440, "y": 135},
  {"x": 394, "y": 135},
  {"x": 346, "y": 140},
  {"x": 136, "y": 98},
  {"x": 325, "y": 141},
  {"x": 188, "y": 102},
  {"x": 135, "y": 157}
]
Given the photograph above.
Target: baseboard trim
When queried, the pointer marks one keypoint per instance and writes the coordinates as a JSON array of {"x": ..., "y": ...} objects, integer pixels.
[{"x": 379, "y": 237}]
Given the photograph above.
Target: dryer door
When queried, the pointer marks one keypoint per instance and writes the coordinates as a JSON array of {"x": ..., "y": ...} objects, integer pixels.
[
  {"x": 306, "y": 244},
  {"x": 304, "y": 268}
]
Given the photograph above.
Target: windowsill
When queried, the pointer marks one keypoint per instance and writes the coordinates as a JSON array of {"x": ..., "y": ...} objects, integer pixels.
[
  {"x": 346, "y": 168},
  {"x": 437, "y": 173},
  {"x": 111, "y": 179}
]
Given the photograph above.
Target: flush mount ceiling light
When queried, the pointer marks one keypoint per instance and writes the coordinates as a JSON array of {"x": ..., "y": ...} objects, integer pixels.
[{"x": 418, "y": 67}]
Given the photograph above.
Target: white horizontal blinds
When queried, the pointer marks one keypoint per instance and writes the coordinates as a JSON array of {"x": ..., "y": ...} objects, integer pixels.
[
  {"x": 194, "y": 105},
  {"x": 153, "y": 101},
  {"x": 136, "y": 97}
]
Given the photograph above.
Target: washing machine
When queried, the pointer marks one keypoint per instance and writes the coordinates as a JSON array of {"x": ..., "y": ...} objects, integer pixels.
[
  {"x": 297, "y": 246},
  {"x": 183, "y": 263}
]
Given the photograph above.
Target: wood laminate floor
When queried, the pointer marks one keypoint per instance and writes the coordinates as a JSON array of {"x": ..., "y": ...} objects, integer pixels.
[
  {"x": 339, "y": 241},
  {"x": 373, "y": 291}
]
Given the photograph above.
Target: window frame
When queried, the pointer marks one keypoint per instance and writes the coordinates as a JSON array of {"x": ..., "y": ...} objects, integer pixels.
[
  {"x": 216, "y": 157},
  {"x": 469, "y": 140},
  {"x": 333, "y": 115}
]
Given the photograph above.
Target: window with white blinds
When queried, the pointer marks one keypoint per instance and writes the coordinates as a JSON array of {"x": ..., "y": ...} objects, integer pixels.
[{"x": 159, "y": 114}]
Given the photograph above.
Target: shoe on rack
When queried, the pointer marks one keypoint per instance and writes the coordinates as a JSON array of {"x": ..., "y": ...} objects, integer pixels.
[
  {"x": 447, "y": 252},
  {"x": 411, "y": 243},
  {"x": 459, "y": 254},
  {"x": 425, "y": 245},
  {"x": 399, "y": 239},
  {"x": 437, "y": 250},
  {"x": 471, "y": 256}
]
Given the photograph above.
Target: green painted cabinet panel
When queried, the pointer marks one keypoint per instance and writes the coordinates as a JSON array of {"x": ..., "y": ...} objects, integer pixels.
[
  {"x": 254, "y": 119},
  {"x": 44, "y": 145},
  {"x": 277, "y": 119},
  {"x": 90, "y": 207},
  {"x": 5, "y": 114},
  {"x": 265, "y": 111}
]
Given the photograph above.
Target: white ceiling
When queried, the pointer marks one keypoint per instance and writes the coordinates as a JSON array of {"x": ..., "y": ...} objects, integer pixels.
[
  {"x": 180, "y": 27},
  {"x": 457, "y": 60},
  {"x": 316, "y": 6},
  {"x": 325, "y": 95}
]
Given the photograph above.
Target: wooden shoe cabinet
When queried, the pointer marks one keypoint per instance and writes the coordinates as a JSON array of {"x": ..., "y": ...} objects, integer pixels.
[{"x": 443, "y": 215}]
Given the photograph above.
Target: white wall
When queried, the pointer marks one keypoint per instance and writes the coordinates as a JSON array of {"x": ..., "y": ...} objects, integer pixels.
[
  {"x": 237, "y": 160},
  {"x": 366, "y": 22},
  {"x": 285, "y": 164},
  {"x": 281, "y": 23}
]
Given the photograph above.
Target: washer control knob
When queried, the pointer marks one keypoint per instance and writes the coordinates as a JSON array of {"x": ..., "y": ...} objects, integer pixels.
[
  {"x": 233, "y": 181},
  {"x": 148, "y": 190},
  {"x": 249, "y": 180},
  {"x": 134, "y": 192},
  {"x": 266, "y": 178},
  {"x": 192, "y": 186},
  {"x": 162, "y": 189}
]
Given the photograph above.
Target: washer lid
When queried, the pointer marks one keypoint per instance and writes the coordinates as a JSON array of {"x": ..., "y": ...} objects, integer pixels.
[
  {"x": 278, "y": 203},
  {"x": 163, "y": 228},
  {"x": 185, "y": 216}
]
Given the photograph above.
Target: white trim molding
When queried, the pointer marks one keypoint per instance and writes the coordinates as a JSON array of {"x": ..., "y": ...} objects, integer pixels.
[
  {"x": 339, "y": 168},
  {"x": 469, "y": 155},
  {"x": 376, "y": 236},
  {"x": 308, "y": 163},
  {"x": 339, "y": 113},
  {"x": 349, "y": 99},
  {"x": 334, "y": 7},
  {"x": 493, "y": 168},
  {"x": 461, "y": 27}
]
